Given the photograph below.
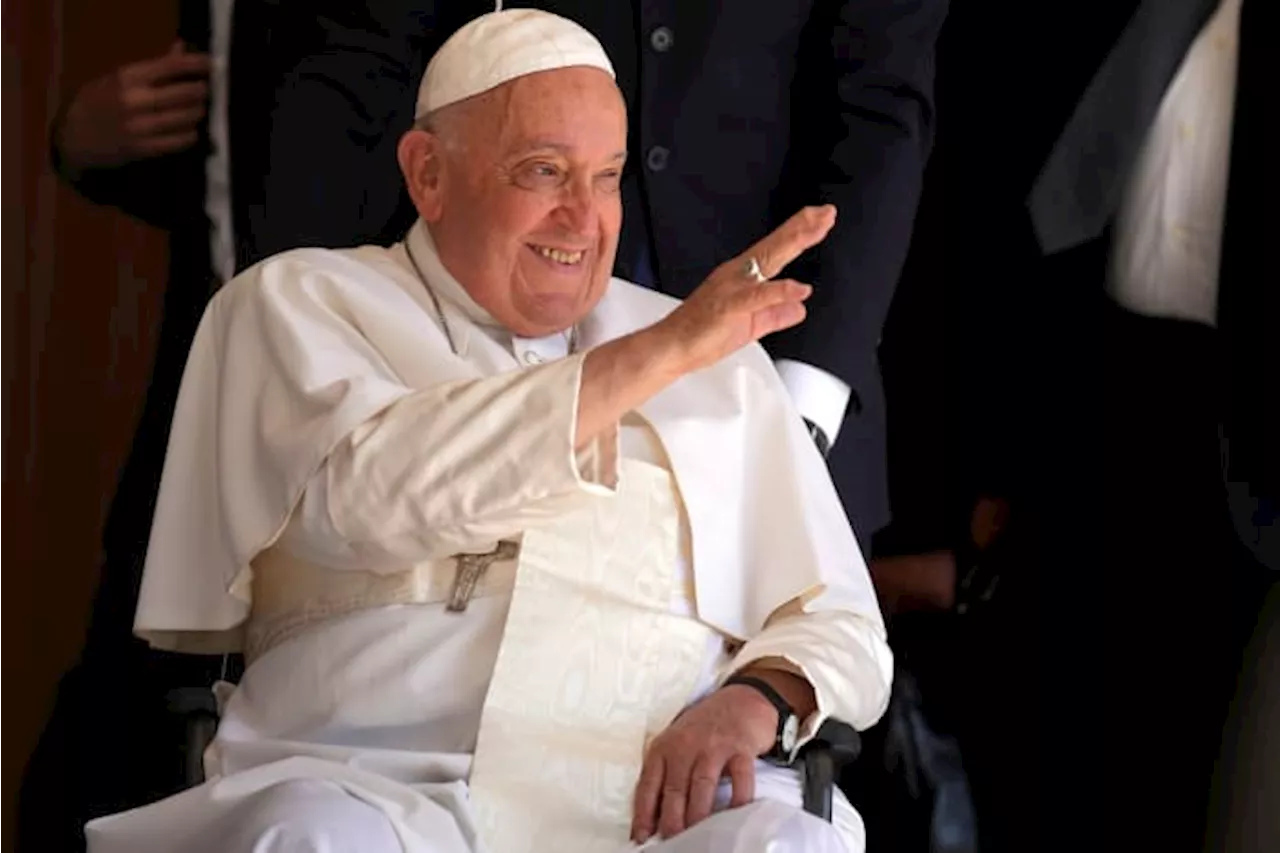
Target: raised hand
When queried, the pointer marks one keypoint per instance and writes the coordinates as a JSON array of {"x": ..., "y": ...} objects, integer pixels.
[{"x": 730, "y": 310}]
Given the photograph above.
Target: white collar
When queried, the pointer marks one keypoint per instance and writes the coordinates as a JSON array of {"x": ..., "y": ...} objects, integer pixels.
[{"x": 422, "y": 249}]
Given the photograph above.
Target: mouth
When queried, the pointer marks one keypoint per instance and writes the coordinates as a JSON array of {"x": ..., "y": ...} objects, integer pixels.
[{"x": 562, "y": 257}]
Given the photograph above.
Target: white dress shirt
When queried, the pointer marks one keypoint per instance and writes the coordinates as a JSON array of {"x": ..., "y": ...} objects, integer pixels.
[
  {"x": 819, "y": 396},
  {"x": 1169, "y": 230}
]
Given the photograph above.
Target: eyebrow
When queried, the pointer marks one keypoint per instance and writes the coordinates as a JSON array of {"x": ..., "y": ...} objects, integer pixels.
[{"x": 558, "y": 147}]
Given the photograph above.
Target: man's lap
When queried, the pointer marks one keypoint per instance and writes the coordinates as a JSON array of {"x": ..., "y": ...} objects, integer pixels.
[
  {"x": 309, "y": 803},
  {"x": 763, "y": 825},
  {"x": 297, "y": 813},
  {"x": 305, "y": 815}
]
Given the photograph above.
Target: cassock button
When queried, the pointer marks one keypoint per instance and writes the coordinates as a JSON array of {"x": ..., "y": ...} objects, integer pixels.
[
  {"x": 532, "y": 357},
  {"x": 661, "y": 39},
  {"x": 656, "y": 159}
]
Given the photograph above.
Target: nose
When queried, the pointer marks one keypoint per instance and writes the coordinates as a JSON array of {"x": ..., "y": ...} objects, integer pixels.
[{"x": 577, "y": 211}]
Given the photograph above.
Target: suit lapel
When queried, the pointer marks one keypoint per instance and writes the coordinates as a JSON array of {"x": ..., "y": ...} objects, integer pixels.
[{"x": 1077, "y": 192}]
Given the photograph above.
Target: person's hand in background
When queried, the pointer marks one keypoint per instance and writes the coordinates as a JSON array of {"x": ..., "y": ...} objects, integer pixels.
[
  {"x": 915, "y": 581},
  {"x": 928, "y": 581},
  {"x": 141, "y": 110}
]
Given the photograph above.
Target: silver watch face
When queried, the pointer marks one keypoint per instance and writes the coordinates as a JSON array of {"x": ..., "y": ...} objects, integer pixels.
[{"x": 790, "y": 733}]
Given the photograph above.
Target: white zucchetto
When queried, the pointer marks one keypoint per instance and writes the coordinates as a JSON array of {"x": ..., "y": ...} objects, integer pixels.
[{"x": 500, "y": 46}]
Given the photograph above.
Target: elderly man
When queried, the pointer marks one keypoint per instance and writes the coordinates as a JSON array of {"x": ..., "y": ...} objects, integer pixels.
[{"x": 521, "y": 557}]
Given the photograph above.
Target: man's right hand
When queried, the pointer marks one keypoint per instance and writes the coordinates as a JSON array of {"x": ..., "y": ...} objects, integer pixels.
[
  {"x": 726, "y": 312},
  {"x": 729, "y": 310},
  {"x": 137, "y": 111}
]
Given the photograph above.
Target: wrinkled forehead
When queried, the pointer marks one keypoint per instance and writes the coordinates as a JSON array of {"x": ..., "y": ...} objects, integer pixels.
[{"x": 579, "y": 108}]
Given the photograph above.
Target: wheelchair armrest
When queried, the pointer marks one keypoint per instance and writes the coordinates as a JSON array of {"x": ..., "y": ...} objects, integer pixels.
[
  {"x": 197, "y": 709},
  {"x": 835, "y": 745}
]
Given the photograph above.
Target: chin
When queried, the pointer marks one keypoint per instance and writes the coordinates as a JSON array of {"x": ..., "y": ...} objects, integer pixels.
[
  {"x": 550, "y": 319},
  {"x": 555, "y": 309}
]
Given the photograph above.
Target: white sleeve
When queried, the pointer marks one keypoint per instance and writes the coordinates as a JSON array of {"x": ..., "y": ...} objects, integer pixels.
[
  {"x": 453, "y": 469},
  {"x": 818, "y": 395},
  {"x": 845, "y": 657}
]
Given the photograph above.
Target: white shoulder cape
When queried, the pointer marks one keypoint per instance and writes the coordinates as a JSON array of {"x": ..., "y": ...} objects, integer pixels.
[{"x": 296, "y": 352}]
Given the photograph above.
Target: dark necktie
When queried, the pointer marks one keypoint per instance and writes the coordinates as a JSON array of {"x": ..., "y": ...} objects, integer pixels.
[{"x": 1079, "y": 188}]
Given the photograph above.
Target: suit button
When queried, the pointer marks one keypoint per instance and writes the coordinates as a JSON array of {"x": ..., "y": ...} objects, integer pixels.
[
  {"x": 661, "y": 39},
  {"x": 656, "y": 159}
]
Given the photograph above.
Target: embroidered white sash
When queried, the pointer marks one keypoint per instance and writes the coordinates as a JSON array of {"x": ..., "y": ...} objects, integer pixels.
[{"x": 592, "y": 664}]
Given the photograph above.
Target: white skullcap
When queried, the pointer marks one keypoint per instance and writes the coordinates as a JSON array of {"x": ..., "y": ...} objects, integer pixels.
[{"x": 501, "y": 46}]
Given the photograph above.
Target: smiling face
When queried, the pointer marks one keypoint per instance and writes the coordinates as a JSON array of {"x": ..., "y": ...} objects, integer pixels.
[{"x": 520, "y": 189}]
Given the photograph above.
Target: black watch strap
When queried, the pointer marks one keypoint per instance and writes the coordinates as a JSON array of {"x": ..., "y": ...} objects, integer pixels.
[
  {"x": 788, "y": 722},
  {"x": 819, "y": 437}
]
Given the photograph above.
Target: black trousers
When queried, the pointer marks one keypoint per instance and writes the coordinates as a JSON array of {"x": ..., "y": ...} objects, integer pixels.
[{"x": 1180, "y": 594}]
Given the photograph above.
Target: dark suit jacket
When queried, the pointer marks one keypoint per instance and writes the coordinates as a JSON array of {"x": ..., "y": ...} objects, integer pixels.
[{"x": 761, "y": 108}]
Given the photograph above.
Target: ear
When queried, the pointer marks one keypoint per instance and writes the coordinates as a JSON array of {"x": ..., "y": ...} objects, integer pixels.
[{"x": 421, "y": 157}]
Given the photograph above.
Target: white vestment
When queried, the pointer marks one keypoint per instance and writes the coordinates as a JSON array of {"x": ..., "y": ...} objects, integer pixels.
[{"x": 328, "y": 439}]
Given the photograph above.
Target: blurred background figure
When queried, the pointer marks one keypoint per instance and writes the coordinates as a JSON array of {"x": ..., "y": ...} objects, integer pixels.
[
  {"x": 1161, "y": 162},
  {"x": 927, "y": 781},
  {"x": 1111, "y": 215},
  {"x": 153, "y": 139}
]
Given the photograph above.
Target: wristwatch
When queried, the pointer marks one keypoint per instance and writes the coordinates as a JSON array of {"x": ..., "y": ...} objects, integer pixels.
[
  {"x": 788, "y": 735},
  {"x": 819, "y": 437}
]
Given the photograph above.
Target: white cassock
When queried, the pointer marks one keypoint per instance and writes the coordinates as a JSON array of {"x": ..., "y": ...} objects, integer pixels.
[{"x": 344, "y": 429}]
